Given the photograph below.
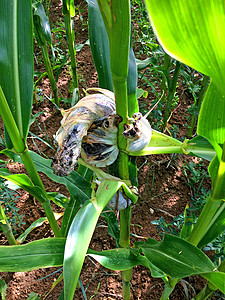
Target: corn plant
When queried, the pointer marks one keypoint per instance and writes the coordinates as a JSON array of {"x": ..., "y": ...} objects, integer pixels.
[
  {"x": 172, "y": 258},
  {"x": 43, "y": 36},
  {"x": 187, "y": 27},
  {"x": 69, "y": 12}
]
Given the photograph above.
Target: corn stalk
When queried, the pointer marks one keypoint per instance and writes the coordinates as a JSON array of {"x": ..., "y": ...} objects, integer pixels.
[
  {"x": 16, "y": 84},
  {"x": 69, "y": 12},
  {"x": 43, "y": 36}
]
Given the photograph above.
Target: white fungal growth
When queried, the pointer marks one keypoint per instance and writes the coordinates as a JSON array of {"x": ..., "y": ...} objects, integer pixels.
[
  {"x": 119, "y": 202},
  {"x": 138, "y": 133}
]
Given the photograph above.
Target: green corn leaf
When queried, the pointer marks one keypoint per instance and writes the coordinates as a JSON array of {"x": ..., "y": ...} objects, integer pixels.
[
  {"x": 41, "y": 24},
  {"x": 199, "y": 146},
  {"x": 80, "y": 233},
  {"x": 192, "y": 32},
  {"x": 16, "y": 60},
  {"x": 187, "y": 226},
  {"x": 76, "y": 184},
  {"x": 34, "y": 225},
  {"x": 68, "y": 5},
  {"x": 213, "y": 169},
  {"x": 112, "y": 224},
  {"x": 85, "y": 172},
  {"x": 176, "y": 257},
  {"x": 58, "y": 199},
  {"x": 3, "y": 288},
  {"x": 9, "y": 121},
  {"x": 212, "y": 117},
  {"x": 132, "y": 84},
  {"x": 217, "y": 279},
  {"x": 142, "y": 64},
  {"x": 69, "y": 214},
  {"x": 120, "y": 259},
  {"x": 43, "y": 253},
  {"x": 160, "y": 143},
  {"x": 215, "y": 228},
  {"x": 155, "y": 272},
  {"x": 23, "y": 181},
  {"x": 106, "y": 13},
  {"x": 77, "y": 243},
  {"x": 116, "y": 16},
  {"x": 72, "y": 8},
  {"x": 99, "y": 44}
]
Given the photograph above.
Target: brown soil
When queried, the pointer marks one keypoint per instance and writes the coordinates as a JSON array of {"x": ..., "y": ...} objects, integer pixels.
[{"x": 165, "y": 196}]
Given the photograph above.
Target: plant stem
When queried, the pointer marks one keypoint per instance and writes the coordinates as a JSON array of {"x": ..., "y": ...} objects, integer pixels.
[
  {"x": 4, "y": 224},
  {"x": 211, "y": 205},
  {"x": 116, "y": 16},
  {"x": 10, "y": 124},
  {"x": 126, "y": 276},
  {"x": 204, "y": 293},
  {"x": 168, "y": 288},
  {"x": 120, "y": 90},
  {"x": 125, "y": 216},
  {"x": 200, "y": 97},
  {"x": 49, "y": 70},
  {"x": 32, "y": 171},
  {"x": 22, "y": 150},
  {"x": 71, "y": 44},
  {"x": 171, "y": 93},
  {"x": 166, "y": 72}
]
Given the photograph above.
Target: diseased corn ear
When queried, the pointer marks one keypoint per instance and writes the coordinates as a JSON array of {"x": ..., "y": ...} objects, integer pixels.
[
  {"x": 90, "y": 127},
  {"x": 138, "y": 132},
  {"x": 99, "y": 147}
]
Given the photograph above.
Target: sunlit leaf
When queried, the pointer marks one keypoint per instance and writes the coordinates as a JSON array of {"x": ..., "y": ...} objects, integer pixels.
[
  {"x": 58, "y": 199},
  {"x": 24, "y": 182},
  {"x": 200, "y": 147},
  {"x": 211, "y": 122},
  {"x": 41, "y": 23},
  {"x": 176, "y": 257},
  {"x": 77, "y": 243},
  {"x": 99, "y": 44},
  {"x": 77, "y": 185},
  {"x": 215, "y": 228},
  {"x": 16, "y": 60},
  {"x": 192, "y": 32},
  {"x": 116, "y": 259},
  {"x": 217, "y": 279},
  {"x": 34, "y": 255},
  {"x": 34, "y": 225},
  {"x": 118, "y": 29},
  {"x": 80, "y": 233}
]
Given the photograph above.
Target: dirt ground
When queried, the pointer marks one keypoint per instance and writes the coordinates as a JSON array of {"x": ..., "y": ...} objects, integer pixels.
[{"x": 163, "y": 190}]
